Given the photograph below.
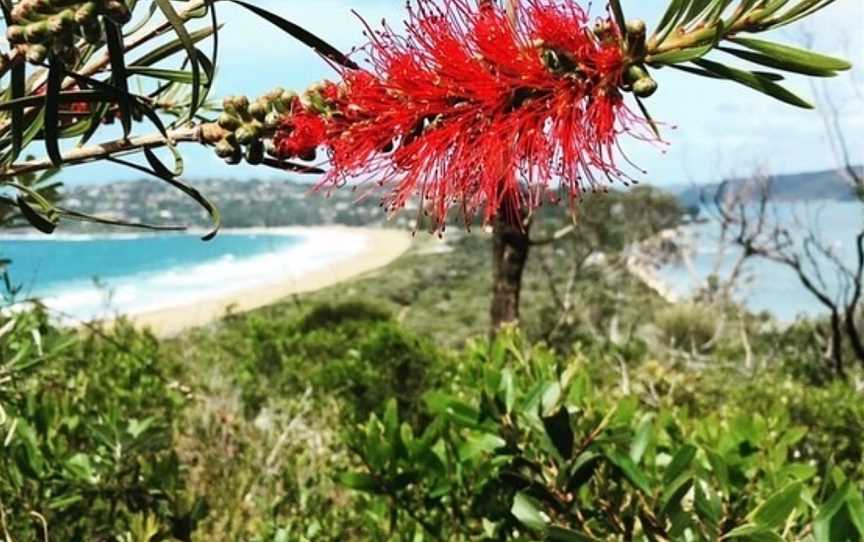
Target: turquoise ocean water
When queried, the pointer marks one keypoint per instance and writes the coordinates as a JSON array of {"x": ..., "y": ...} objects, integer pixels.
[{"x": 84, "y": 277}]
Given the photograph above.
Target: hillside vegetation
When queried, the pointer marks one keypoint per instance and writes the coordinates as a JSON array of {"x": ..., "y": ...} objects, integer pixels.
[{"x": 380, "y": 410}]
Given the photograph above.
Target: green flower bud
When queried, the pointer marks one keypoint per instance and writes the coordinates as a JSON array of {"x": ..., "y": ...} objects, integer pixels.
[
  {"x": 36, "y": 54},
  {"x": 636, "y": 28},
  {"x": 85, "y": 13},
  {"x": 15, "y": 34},
  {"x": 241, "y": 103},
  {"x": 245, "y": 134},
  {"x": 228, "y": 121},
  {"x": 59, "y": 24},
  {"x": 36, "y": 32},
  {"x": 236, "y": 157},
  {"x": 258, "y": 110},
  {"x": 224, "y": 149},
  {"x": 634, "y": 73},
  {"x": 644, "y": 87}
]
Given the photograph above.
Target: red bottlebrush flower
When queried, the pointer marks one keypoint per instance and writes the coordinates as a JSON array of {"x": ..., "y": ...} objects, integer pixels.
[
  {"x": 486, "y": 112},
  {"x": 299, "y": 134}
]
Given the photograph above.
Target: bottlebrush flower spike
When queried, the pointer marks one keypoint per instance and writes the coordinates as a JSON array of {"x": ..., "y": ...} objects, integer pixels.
[{"x": 482, "y": 110}]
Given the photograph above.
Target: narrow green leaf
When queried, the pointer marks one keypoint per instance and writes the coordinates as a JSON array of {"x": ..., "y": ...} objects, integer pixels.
[
  {"x": 18, "y": 87},
  {"x": 166, "y": 50},
  {"x": 168, "y": 176},
  {"x": 359, "y": 481},
  {"x": 753, "y": 81},
  {"x": 678, "y": 56},
  {"x": 772, "y": 62},
  {"x": 680, "y": 462},
  {"x": 794, "y": 55},
  {"x": 754, "y": 533},
  {"x": 303, "y": 36},
  {"x": 52, "y": 108},
  {"x": 41, "y": 223},
  {"x": 177, "y": 76},
  {"x": 671, "y": 14},
  {"x": 642, "y": 438},
  {"x": 855, "y": 503},
  {"x": 618, "y": 15},
  {"x": 179, "y": 27},
  {"x": 119, "y": 77}
]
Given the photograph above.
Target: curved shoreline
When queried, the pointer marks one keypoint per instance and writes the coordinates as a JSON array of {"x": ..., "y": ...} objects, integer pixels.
[{"x": 381, "y": 247}]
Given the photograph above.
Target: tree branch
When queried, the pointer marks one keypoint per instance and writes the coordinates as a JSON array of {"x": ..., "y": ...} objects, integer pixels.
[{"x": 109, "y": 149}]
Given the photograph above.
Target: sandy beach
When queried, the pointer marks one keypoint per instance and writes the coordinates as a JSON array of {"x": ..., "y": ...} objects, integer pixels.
[{"x": 381, "y": 247}]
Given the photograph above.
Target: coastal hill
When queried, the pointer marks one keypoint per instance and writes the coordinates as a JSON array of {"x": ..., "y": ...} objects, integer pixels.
[
  {"x": 808, "y": 186},
  {"x": 270, "y": 203}
]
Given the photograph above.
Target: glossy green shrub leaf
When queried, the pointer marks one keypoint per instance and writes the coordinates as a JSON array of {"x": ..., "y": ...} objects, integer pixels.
[
  {"x": 630, "y": 470},
  {"x": 560, "y": 432},
  {"x": 774, "y": 511},
  {"x": 527, "y": 511}
]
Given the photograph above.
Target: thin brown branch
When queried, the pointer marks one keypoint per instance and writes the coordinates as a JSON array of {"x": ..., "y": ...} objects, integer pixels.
[{"x": 102, "y": 151}]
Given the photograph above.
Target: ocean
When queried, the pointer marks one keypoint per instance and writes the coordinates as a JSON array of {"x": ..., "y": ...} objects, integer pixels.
[
  {"x": 767, "y": 286},
  {"x": 86, "y": 277}
]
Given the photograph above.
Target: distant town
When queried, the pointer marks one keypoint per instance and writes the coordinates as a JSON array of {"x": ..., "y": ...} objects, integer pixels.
[
  {"x": 243, "y": 204},
  {"x": 270, "y": 203}
]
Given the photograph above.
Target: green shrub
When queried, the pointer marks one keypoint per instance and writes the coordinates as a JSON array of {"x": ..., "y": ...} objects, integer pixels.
[
  {"x": 88, "y": 424},
  {"x": 523, "y": 446},
  {"x": 351, "y": 350}
]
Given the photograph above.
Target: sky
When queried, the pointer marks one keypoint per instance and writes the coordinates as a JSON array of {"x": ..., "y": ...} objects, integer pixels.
[{"x": 720, "y": 128}]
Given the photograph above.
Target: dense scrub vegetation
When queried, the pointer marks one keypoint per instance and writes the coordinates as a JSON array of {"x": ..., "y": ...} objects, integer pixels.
[{"x": 379, "y": 410}]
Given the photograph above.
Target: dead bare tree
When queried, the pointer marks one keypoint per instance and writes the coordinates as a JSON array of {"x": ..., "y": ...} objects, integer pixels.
[{"x": 747, "y": 212}]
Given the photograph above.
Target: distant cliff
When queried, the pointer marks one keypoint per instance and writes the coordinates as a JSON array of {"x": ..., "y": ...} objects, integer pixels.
[{"x": 810, "y": 186}]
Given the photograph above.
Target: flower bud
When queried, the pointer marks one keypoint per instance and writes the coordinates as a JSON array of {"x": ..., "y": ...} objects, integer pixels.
[
  {"x": 255, "y": 153},
  {"x": 228, "y": 121},
  {"x": 85, "y": 13},
  {"x": 258, "y": 110},
  {"x": 36, "y": 53},
  {"x": 36, "y": 32},
  {"x": 236, "y": 156},
  {"x": 224, "y": 149},
  {"x": 117, "y": 12},
  {"x": 15, "y": 34},
  {"x": 245, "y": 134},
  {"x": 59, "y": 24},
  {"x": 644, "y": 87},
  {"x": 634, "y": 73}
]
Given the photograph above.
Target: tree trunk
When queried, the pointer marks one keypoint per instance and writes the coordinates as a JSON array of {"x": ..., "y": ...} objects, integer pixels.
[
  {"x": 837, "y": 343},
  {"x": 854, "y": 336},
  {"x": 510, "y": 246}
]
